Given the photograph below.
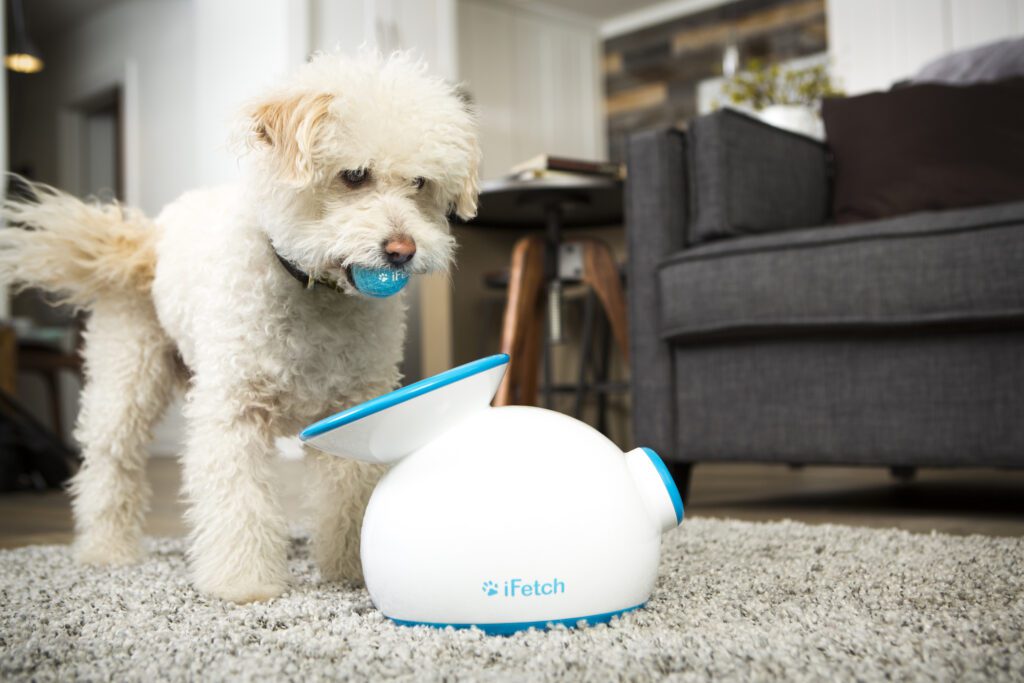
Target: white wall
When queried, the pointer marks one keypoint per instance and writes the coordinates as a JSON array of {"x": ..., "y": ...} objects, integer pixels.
[
  {"x": 147, "y": 48},
  {"x": 144, "y": 46},
  {"x": 535, "y": 77},
  {"x": 425, "y": 26},
  {"x": 534, "y": 73},
  {"x": 874, "y": 43},
  {"x": 339, "y": 25},
  {"x": 241, "y": 47},
  {"x": 185, "y": 68}
]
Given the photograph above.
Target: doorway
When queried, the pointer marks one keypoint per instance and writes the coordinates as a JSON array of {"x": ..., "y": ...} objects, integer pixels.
[{"x": 101, "y": 171}]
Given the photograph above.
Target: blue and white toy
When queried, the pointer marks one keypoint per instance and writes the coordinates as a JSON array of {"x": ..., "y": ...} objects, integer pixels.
[
  {"x": 500, "y": 518},
  {"x": 379, "y": 282}
]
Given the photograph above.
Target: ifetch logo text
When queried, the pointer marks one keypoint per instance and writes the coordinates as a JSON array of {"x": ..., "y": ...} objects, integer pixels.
[{"x": 519, "y": 588}]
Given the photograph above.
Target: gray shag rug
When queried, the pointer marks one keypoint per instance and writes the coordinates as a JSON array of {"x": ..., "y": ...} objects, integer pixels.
[{"x": 735, "y": 601}]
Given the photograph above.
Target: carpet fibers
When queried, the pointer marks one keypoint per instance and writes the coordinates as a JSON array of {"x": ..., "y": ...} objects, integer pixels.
[{"x": 735, "y": 601}]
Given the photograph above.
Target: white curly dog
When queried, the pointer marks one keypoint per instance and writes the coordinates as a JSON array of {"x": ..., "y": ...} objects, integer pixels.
[{"x": 352, "y": 161}]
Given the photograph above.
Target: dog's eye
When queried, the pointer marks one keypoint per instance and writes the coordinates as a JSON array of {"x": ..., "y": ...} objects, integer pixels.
[
  {"x": 355, "y": 176},
  {"x": 418, "y": 183}
]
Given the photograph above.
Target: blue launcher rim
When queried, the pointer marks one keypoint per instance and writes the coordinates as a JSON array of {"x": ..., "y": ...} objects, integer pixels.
[
  {"x": 668, "y": 481},
  {"x": 406, "y": 393},
  {"x": 510, "y": 628}
]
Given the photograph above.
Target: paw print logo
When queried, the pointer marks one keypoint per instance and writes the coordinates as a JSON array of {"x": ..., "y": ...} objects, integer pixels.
[{"x": 490, "y": 588}]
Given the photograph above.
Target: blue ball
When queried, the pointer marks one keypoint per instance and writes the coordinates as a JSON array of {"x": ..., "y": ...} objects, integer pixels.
[{"x": 379, "y": 282}]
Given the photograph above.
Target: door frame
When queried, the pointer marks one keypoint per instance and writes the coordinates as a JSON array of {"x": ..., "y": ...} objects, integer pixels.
[{"x": 71, "y": 120}]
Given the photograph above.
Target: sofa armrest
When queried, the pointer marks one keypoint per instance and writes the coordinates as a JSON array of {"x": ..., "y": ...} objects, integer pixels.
[
  {"x": 655, "y": 209},
  {"x": 750, "y": 177}
]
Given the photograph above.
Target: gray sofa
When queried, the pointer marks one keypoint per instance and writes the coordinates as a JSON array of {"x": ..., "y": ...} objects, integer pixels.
[{"x": 763, "y": 333}]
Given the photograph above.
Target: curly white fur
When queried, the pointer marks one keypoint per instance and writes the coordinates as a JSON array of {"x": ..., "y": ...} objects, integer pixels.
[{"x": 198, "y": 294}]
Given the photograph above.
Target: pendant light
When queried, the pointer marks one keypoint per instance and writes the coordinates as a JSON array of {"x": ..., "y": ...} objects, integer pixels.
[{"x": 22, "y": 56}]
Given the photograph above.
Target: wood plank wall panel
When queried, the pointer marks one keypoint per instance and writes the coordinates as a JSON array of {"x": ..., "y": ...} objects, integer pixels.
[{"x": 651, "y": 75}]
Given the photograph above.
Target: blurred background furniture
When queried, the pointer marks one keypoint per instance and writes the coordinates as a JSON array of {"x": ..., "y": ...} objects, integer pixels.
[
  {"x": 524, "y": 322},
  {"x": 31, "y": 456},
  {"x": 48, "y": 361},
  {"x": 47, "y": 351},
  {"x": 8, "y": 358},
  {"x": 760, "y": 332},
  {"x": 541, "y": 266}
]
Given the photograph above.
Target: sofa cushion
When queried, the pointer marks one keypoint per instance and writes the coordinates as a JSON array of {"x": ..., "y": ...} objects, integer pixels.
[
  {"x": 749, "y": 177},
  {"x": 926, "y": 147},
  {"x": 957, "y": 266},
  {"x": 990, "y": 62}
]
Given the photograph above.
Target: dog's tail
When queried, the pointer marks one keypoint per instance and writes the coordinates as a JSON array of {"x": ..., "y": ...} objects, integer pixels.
[{"x": 77, "y": 251}]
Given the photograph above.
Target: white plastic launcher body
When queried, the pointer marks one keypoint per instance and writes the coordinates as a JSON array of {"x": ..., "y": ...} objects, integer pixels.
[{"x": 500, "y": 518}]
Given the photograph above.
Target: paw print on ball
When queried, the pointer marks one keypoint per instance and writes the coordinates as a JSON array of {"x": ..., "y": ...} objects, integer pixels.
[
  {"x": 490, "y": 588},
  {"x": 379, "y": 282}
]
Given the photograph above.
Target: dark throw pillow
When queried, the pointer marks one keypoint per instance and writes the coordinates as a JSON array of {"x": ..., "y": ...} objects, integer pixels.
[{"x": 926, "y": 147}]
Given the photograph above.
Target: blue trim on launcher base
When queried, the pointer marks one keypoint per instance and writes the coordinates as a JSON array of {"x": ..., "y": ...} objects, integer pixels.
[{"x": 509, "y": 628}]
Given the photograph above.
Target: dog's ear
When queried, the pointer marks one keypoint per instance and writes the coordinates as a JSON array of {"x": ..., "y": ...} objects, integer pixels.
[
  {"x": 465, "y": 202},
  {"x": 288, "y": 128}
]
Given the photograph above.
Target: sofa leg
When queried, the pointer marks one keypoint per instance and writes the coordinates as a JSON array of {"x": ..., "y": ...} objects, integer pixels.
[
  {"x": 903, "y": 473},
  {"x": 680, "y": 472}
]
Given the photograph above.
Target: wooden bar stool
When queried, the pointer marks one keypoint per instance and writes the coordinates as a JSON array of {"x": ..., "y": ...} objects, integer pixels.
[
  {"x": 524, "y": 321},
  {"x": 552, "y": 205}
]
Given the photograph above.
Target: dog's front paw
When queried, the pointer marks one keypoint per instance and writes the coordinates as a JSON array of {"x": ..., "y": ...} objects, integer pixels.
[
  {"x": 222, "y": 576},
  {"x": 106, "y": 550},
  {"x": 242, "y": 592}
]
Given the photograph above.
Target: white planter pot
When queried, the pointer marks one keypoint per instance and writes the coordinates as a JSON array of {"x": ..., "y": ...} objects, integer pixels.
[{"x": 802, "y": 120}]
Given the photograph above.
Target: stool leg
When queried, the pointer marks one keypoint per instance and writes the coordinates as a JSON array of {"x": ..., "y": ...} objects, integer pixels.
[
  {"x": 604, "y": 358},
  {"x": 526, "y": 280},
  {"x": 53, "y": 384},
  {"x": 602, "y": 274},
  {"x": 533, "y": 346},
  {"x": 586, "y": 343}
]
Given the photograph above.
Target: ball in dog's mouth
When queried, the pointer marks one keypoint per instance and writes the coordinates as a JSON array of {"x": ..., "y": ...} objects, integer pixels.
[{"x": 378, "y": 282}]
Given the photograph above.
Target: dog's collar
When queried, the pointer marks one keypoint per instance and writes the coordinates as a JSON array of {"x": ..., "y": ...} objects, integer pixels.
[{"x": 304, "y": 278}]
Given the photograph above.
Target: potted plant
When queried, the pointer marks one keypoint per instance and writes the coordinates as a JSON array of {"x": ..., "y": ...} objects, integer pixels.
[{"x": 789, "y": 98}]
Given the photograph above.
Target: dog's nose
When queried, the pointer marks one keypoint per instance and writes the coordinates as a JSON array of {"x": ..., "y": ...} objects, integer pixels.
[{"x": 400, "y": 250}]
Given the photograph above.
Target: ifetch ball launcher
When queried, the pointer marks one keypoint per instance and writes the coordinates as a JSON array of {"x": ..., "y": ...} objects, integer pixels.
[{"x": 501, "y": 518}]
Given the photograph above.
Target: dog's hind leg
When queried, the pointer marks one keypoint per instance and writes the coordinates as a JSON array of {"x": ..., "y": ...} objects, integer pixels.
[
  {"x": 239, "y": 538},
  {"x": 340, "y": 491},
  {"x": 130, "y": 371}
]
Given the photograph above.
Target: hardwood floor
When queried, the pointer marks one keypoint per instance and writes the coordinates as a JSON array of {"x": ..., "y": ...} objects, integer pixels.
[{"x": 954, "y": 501}]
